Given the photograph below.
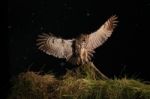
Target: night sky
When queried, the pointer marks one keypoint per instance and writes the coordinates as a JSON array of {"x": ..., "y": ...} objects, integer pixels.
[{"x": 126, "y": 51}]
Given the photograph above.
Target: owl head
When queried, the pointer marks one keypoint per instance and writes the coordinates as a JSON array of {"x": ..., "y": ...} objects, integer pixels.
[{"x": 81, "y": 40}]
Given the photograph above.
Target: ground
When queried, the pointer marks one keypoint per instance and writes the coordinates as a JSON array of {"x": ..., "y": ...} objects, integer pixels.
[{"x": 80, "y": 83}]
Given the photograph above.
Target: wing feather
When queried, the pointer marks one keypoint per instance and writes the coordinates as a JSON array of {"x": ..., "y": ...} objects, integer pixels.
[
  {"x": 98, "y": 37},
  {"x": 52, "y": 45}
]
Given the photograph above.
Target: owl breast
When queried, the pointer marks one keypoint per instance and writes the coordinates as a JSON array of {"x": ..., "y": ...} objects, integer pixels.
[
  {"x": 84, "y": 55},
  {"x": 81, "y": 54}
]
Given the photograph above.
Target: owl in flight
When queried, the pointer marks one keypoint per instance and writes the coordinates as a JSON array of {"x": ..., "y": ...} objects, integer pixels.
[{"x": 80, "y": 50}]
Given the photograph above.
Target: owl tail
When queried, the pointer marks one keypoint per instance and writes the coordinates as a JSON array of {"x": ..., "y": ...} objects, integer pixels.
[{"x": 75, "y": 60}]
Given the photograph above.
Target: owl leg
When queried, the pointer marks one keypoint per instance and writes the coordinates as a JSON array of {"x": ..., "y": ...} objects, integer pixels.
[
  {"x": 85, "y": 57},
  {"x": 81, "y": 60}
]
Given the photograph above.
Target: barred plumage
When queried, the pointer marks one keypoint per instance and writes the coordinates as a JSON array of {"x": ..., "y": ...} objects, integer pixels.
[{"x": 79, "y": 50}]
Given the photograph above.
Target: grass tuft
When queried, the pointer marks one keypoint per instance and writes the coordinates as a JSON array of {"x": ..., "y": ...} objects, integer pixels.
[{"x": 79, "y": 84}]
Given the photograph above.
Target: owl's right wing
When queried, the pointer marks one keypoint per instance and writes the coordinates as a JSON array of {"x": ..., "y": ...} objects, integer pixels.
[
  {"x": 98, "y": 37},
  {"x": 54, "y": 46}
]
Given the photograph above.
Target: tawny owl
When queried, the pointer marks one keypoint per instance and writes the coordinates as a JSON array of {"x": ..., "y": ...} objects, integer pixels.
[{"x": 79, "y": 50}]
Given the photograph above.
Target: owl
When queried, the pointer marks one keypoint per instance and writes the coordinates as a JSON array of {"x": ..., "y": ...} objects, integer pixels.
[{"x": 79, "y": 50}]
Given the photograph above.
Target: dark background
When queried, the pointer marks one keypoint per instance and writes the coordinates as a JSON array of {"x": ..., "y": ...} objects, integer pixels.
[{"x": 126, "y": 52}]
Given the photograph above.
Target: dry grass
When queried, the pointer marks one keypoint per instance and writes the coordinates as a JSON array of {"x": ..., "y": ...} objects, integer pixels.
[
  {"x": 31, "y": 85},
  {"x": 76, "y": 85}
]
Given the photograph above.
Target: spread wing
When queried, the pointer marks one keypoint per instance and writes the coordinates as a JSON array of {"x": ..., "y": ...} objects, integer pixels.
[
  {"x": 97, "y": 38},
  {"x": 52, "y": 45}
]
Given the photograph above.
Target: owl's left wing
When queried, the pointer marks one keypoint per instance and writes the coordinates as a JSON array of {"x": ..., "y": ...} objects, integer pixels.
[
  {"x": 55, "y": 46},
  {"x": 97, "y": 38}
]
